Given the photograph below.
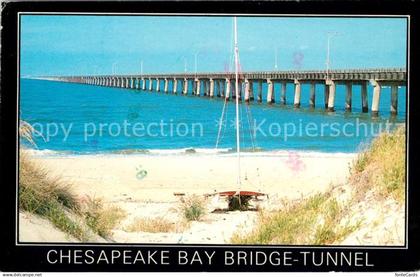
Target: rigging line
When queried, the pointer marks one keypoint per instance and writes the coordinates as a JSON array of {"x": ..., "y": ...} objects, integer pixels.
[
  {"x": 225, "y": 121},
  {"x": 249, "y": 126},
  {"x": 253, "y": 136},
  {"x": 220, "y": 124}
]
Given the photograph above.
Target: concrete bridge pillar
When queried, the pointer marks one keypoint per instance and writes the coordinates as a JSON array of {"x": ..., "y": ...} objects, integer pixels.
[
  {"x": 166, "y": 85},
  {"x": 150, "y": 84},
  {"x": 326, "y": 95},
  {"x": 376, "y": 97},
  {"x": 348, "y": 96},
  {"x": 127, "y": 83},
  {"x": 365, "y": 103},
  {"x": 118, "y": 82},
  {"x": 222, "y": 88},
  {"x": 331, "y": 96},
  {"x": 270, "y": 92},
  {"x": 143, "y": 84},
  {"x": 133, "y": 83},
  {"x": 394, "y": 99},
  {"x": 211, "y": 88},
  {"x": 296, "y": 102},
  {"x": 228, "y": 89},
  {"x": 157, "y": 84},
  {"x": 312, "y": 95},
  {"x": 247, "y": 91},
  {"x": 259, "y": 97},
  {"x": 175, "y": 85},
  {"x": 185, "y": 89},
  {"x": 197, "y": 87}
]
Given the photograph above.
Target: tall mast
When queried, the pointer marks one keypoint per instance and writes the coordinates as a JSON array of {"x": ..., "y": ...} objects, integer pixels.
[{"x": 237, "y": 101}]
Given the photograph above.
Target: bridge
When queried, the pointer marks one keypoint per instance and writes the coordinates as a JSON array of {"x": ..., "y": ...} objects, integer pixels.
[{"x": 222, "y": 84}]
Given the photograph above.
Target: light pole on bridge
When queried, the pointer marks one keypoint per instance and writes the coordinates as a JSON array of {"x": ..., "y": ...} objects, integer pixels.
[{"x": 114, "y": 68}]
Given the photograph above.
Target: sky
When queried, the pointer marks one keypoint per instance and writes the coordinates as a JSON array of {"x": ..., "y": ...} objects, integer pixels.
[{"x": 87, "y": 44}]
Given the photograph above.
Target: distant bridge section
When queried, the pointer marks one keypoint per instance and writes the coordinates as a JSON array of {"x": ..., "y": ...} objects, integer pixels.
[{"x": 222, "y": 84}]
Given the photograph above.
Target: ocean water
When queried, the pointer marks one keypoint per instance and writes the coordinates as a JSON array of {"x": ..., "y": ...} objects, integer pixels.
[{"x": 82, "y": 119}]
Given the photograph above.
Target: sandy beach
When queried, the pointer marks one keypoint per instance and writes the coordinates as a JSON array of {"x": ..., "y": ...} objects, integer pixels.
[
  {"x": 123, "y": 177},
  {"x": 122, "y": 180}
]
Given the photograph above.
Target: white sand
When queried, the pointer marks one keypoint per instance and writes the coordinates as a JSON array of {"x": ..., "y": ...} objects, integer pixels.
[{"x": 114, "y": 178}]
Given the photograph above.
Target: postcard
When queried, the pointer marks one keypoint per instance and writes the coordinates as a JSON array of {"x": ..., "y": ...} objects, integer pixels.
[{"x": 158, "y": 140}]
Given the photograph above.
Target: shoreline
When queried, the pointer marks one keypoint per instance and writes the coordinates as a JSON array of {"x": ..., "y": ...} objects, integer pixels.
[{"x": 223, "y": 152}]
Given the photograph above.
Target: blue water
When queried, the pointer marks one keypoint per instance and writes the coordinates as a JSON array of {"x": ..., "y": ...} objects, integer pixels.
[{"x": 82, "y": 109}]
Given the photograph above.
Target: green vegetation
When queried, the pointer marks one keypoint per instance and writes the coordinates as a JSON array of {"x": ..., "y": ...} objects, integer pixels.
[
  {"x": 321, "y": 219},
  {"x": 315, "y": 220},
  {"x": 154, "y": 225},
  {"x": 49, "y": 197},
  {"x": 382, "y": 166},
  {"x": 102, "y": 219},
  {"x": 193, "y": 208},
  {"x": 239, "y": 203}
]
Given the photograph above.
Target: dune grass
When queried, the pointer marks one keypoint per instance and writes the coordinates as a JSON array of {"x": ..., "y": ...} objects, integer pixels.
[
  {"x": 193, "y": 208},
  {"x": 321, "y": 219},
  {"x": 47, "y": 197},
  {"x": 101, "y": 218},
  {"x": 42, "y": 194},
  {"x": 382, "y": 166},
  {"x": 315, "y": 220}
]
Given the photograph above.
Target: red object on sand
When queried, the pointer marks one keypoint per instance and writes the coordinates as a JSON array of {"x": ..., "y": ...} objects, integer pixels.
[{"x": 241, "y": 192}]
